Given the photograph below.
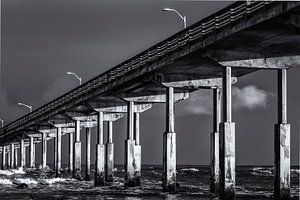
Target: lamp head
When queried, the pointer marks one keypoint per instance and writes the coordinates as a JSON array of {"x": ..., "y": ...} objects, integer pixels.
[{"x": 166, "y": 9}]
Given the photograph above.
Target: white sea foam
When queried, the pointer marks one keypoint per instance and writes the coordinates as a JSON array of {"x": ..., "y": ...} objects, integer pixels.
[
  {"x": 55, "y": 180},
  {"x": 295, "y": 171},
  {"x": 18, "y": 171},
  {"x": 5, "y": 182},
  {"x": 10, "y": 172},
  {"x": 115, "y": 169},
  {"x": 190, "y": 169},
  {"x": 27, "y": 181}
]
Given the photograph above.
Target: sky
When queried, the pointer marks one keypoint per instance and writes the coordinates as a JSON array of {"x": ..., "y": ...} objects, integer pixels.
[{"x": 42, "y": 40}]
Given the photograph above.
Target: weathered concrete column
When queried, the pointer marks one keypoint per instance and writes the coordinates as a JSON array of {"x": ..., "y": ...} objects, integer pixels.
[
  {"x": 100, "y": 152},
  {"x": 3, "y": 167},
  {"x": 71, "y": 147},
  {"x": 44, "y": 150},
  {"x": 55, "y": 153},
  {"x": 109, "y": 158},
  {"x": 88, "y": 154},
  {"x": 214, "y": 145},
  {"x": 138, "y": 148},
  {"x": 58, "y": 151},
  {"x": 23, "y": 153},
  {"x": 77, "y": 152},
  {"x": 8, "y": 159},
  {"x": 32, "y": 152},
  {"x": 131, "y": 178},
  {"x": 15, "y": 158},
  {"x": 282, "y": 142},
  {"x": 227, "y": 142},
  {"x": 12, "y": 155},
  {"x": 169, "y": 145}
]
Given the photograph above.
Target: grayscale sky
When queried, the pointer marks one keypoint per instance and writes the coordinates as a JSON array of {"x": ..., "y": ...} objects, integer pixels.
[{"x": 42, "y": 40}]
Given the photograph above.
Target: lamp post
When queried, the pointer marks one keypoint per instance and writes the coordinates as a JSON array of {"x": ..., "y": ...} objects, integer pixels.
[
  {"x": 25, "y": 105},
  {"x": 79, "y": 78},
  {"x": 2, "y": 122},
  {"x": 182, "y": 17}
]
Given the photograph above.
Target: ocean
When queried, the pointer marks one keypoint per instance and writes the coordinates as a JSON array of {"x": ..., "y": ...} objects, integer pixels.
[{"x": 252, "y": 182}]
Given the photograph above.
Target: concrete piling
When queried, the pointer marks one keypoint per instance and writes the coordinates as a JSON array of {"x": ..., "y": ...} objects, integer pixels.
[
  {"x": 131, "y": 177},
  {"x": 227, "y": 142},
  {"x": 12, "y": 156},
  {"x": 214, "y": 145},
  {"x": 15, "y": 158},
  {"x": 44, "y": 150},
  {"x": 32, "y": 152},
  {"x": 88, "y": 154},
  {"x": 109, "y": 158},
  {"x": 100, "y": 152},
  {"x": 8, "y": 159},
  {"x": 23, "y": 153},
  {"x": 58, "y": 151},
  {"x": 282, "y": 142},
  {"x": 3, "y": 166},
  {"x": 169, "y": 145},
  {"x": 77, "y": 152},
  {"x": 137, "y": 149},
  {"x": 71, "y": 147}
]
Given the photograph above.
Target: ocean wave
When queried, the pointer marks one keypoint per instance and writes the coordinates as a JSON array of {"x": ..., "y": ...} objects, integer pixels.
[
  {"x": 27, "y": 181},
  {"x": 296, "y": 171},
  {"x": 262, "y": 171},
  {"x": 190, "y": 169},
  {"x": 55, "y": 180},
  {"x": 10, "y": 172},
  {"x": 5, "y": 182}
]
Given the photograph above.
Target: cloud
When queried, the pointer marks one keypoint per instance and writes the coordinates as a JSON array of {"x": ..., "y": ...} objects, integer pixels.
[
  {"x": 250, "y": 97},
  {"x": 201, "y": 102}
]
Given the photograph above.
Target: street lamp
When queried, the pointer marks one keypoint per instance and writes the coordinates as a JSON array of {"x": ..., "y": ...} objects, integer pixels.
[
  {"x": 25, "y": 105},
  {"x": 79, "y": 78},
  {"x": 182, "y": 17},
  {"x": 2, "y": 122}
]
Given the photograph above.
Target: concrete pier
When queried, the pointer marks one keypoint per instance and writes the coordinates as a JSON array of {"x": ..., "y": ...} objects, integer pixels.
[
  {"x": 55, "y": 153},
  {"x": 282, "y": 142},
  {"x": 23, "y": 153},
  {"x": 138, "y": 147},
  {"x": 12, "y": 158},
  {"x": 100, "y": 152},
  {"x": 227, "y": 142},
  {"x": 8, "y": 159},
  {"x": 3, "y": 166},
  {"x": 58, "y": 151},
  {"x": 169, "y": 145},
  {"x": 44, "y": 150},
  {"x": 71, "y": 147},
  {"x": 15, "y": 158},
  {"x": 32, "y": 152},
  {"x": 214, "y": 145},
  {"x": 88, "y": 154},
  {"x": 109, "y": 154},
  {"x": 131, "y": 178},
  {"x": 77, "y": 152}
]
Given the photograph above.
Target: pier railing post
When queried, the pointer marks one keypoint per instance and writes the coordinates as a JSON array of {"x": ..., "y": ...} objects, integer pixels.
[
  {"x": 100, "y": 152},
  {"x": 227, "y": 141},
  {"x": 214, "y": 145},
  {"x": 44, "y": 150},
  {"x": 282, "y": 142},
  {"x": 32, "y": 152},
  {"x": 58, "y": 151},
  {"x": 88, "y": 154},
  {"x": 77, "y": 152},
  {"x": 109, "y": 158},
  {"x": 131, "y": 178},
  {"x": 169, "y": 145}
]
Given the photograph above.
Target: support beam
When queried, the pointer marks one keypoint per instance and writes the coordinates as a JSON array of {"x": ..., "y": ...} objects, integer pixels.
[
  {"x": 214, "y": 147},
  {"x": 109, "y": 158},
  {"x": 54, "y": 150},
  {"x": 100, "y": 152},
  {"x": 88, "y": 154},
  {"x": 77, "y": 152},
  {"x": 32, "y": 152},
  {"x": 58, "y": 151},
  {"x": 169, "y": 145},
  {"x": 23, "y": 153},
  {"x": 12, "y": 158},
  {"x": 282, "y": 142},
  {"x": 3, "y": 167},
  {"x": 8, "y": 159},
  {"x": 71, "y": 146},
  {"x": 44, "y": 150},
  {"x": 227, "y": 142},
  {"x": 131, "y": 178}
]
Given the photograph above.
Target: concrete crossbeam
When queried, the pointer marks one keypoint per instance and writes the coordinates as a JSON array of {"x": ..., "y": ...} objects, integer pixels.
[
  {"x": 198, "y": 84},
  {"x": 123, "y": 109},
  {"x": 158, "y": 98}
]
